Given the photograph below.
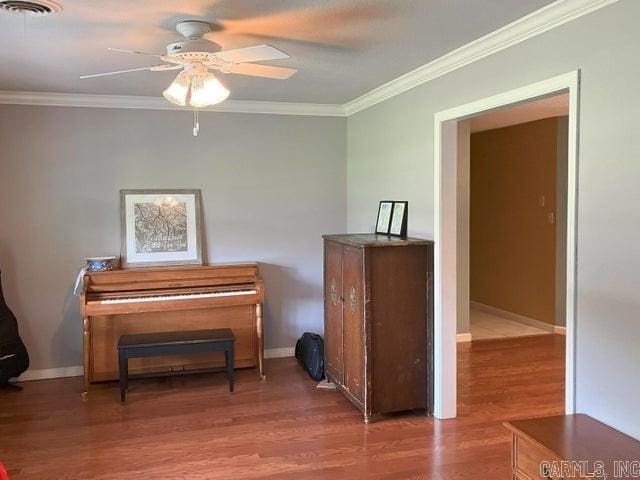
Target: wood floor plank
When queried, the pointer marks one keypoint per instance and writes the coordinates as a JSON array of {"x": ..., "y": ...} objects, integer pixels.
[{"x": 192, "y": 428}]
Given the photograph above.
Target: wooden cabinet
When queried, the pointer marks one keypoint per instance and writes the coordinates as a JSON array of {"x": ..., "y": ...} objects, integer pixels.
[
  {"x": 570, "y": 446},
  {"x": 333, "y": 359},
  {"x": 379, "y": 321}
]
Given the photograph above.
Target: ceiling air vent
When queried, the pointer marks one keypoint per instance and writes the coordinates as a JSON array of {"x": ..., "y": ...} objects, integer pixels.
[{"x": 38, "y": 8}]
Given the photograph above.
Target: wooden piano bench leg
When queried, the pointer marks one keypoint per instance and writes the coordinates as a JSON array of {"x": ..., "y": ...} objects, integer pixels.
[
  {"x": 229, "y": 358},
  {"x": 123, "y": 364}
]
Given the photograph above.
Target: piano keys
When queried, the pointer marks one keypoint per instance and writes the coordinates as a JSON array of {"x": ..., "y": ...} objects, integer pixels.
[
  {"x": 143, "y": 300},
  {"x": 177, "y": 296}
]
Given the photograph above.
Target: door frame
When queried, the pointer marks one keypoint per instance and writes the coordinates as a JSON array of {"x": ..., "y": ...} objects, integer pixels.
[{"x": 445, "y": 232}]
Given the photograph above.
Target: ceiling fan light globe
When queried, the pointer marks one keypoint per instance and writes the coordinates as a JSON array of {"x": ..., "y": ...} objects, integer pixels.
[
  {"x": 177, "y": 91},
  {"x": 207, "y": 91}
]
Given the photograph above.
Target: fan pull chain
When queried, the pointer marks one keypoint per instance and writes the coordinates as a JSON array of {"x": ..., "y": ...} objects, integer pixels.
[{"x": 196, "y": 123}]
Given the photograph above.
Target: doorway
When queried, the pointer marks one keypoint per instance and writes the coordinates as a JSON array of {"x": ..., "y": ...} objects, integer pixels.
[
  {"x": 451, "y": 128},
  {"x": 515, "y": 212}
]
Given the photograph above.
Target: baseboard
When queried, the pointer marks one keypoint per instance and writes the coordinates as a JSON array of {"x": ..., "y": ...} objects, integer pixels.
[
  {"x": 78, "y": 370},
  {"x": 46, "y": 373},
  {"x": 560, "y": 330},
  {"x": 463, "y": 337},
  {"x": 279, "y": 352},
  {"x": 532, "y": 322}
]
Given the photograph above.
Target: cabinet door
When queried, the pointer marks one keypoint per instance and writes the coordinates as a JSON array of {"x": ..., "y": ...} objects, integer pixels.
[
  {"x": 353, "y": 322},
  {"x": 333, "y": 310}
]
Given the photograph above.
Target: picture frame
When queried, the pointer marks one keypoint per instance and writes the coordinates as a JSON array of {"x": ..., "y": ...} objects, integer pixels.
[
  {"x": 383, "y": 222},
  {"x": 160, "y": 227},
  {"x": 399, "y": 218}
]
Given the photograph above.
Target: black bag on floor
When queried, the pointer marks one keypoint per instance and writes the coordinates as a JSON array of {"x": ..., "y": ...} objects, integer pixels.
[
  {"x": 14, "y": 358},
  {"x": 310, "y": 353}
]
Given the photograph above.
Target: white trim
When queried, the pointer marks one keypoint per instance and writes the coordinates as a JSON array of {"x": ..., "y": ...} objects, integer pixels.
[
  {"x": 513, "y": 316},
  {"x": 542, "y": 20},
  {"x": 159, "y": 103},
  {"x": 78, "y": 370},
  {"x": 559, "y": 330},
  {"x": 463, "y": 337},
  {"x": 280, "y": 352},
  {"x": 46, "y": 373},
  {"x": 445, "y": 273}
]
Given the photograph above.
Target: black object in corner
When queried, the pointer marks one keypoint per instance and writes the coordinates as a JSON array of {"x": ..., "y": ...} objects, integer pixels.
[
  {"x": 14, "y": 359},
  {"x": 310, "y": 353}
]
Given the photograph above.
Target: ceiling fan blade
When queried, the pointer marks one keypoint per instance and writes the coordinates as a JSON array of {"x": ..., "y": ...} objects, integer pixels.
[
  {"x": 118, "y": 72},
  {"x": 257, "y": 53},
  {"x": 124, "y": 50},
  {"x": 166, "y": 58},
  {"x": 348, "y": 26},
  {"x": 265, "y": 71},
  {"x": 165, "y": 68}
]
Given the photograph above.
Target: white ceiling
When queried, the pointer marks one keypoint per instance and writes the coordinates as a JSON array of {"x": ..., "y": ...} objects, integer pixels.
[
  {"x": 343, "y": 48},
  {"x": 549, "y": 107}
]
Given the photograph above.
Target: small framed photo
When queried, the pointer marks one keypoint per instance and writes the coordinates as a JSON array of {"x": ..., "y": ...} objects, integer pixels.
[
  {"x": 399, "y": 216},
  {"x": 160, "y": 227},
  {"x": 384, "y": 217}
]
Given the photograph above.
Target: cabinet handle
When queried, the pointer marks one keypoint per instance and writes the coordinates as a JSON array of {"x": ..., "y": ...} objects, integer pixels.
[
  {"x": 333, "y": 289},
  {"x": 352, "y": 300}
]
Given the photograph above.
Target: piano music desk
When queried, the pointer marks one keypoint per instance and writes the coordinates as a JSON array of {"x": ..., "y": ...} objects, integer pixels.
[{"x": 163, "y": 299}]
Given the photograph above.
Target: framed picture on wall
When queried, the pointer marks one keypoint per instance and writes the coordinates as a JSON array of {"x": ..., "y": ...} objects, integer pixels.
[
  {"x": 160, "y": 227},
  {"x": 384, "y": 217},
  {"x": 399, "y": 216}
]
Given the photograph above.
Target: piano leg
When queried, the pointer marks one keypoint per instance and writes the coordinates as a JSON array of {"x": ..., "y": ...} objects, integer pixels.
[
  {"x": 86, "y": 354},
  {"x": 259, "y": 330}
]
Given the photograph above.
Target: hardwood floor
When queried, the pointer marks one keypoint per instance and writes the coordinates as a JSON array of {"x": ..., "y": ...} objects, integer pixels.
[{"x": 192, "y": 428}]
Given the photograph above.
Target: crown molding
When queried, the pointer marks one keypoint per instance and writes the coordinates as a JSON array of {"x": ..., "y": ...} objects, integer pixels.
[
  {"x": 159, "y": 103},
  {"x": 542, "y": 20}
]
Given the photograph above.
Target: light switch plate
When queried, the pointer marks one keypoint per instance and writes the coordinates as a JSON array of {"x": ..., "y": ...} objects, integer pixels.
[{"x": 542, "y": 200}]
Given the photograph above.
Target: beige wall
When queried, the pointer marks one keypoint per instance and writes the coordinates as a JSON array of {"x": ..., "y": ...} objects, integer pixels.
[
  {"x": 512, "y": 243},
  {"x": 271, "y": 186}
]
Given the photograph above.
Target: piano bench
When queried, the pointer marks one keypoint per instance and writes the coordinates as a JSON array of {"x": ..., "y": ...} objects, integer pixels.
[{"x": 159, "y": 344}]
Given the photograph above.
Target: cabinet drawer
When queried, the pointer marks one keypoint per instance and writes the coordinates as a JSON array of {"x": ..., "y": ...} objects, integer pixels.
[{"x": 528, "y": 458}]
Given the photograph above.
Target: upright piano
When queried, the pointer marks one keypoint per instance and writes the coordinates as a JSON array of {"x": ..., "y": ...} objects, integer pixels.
[{"x": 142, "y": 300}]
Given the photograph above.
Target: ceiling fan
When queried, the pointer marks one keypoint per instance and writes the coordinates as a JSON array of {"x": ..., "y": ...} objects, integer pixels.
[{"x": 197, "y": 57}]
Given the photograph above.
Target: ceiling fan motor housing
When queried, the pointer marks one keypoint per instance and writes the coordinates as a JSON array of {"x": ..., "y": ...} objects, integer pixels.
[
  {"x": 193, "y": 31},
  {"x": 193, "y": 46}
]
